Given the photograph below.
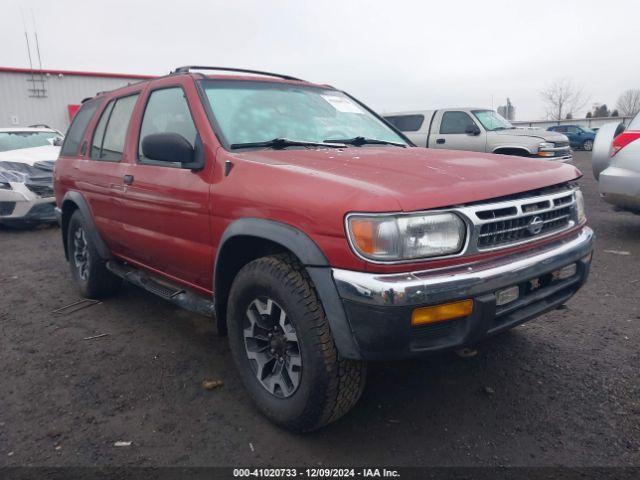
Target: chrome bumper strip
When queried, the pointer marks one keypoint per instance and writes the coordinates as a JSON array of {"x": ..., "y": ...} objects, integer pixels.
[{"x": 436, "y": 286}]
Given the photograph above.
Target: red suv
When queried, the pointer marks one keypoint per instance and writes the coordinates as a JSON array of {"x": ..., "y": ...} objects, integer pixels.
[{"x": 311, "y": 229}]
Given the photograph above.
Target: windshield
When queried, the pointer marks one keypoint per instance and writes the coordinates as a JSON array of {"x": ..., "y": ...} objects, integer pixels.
[
  {"x": 586, "y": 130},
  {"x": 250, "y": 112},
  {"x": 18, "y": 140},
  {"x": 492, "y": 121}
]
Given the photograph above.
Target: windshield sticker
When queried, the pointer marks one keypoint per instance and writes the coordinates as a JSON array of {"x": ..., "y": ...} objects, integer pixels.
[{"x": 342, "y": 104}]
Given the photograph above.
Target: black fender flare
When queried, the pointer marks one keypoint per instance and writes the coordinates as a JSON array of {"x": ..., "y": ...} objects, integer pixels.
[
  {"x": 76, "y": 198},
  {"x": 316, "y": 264}
]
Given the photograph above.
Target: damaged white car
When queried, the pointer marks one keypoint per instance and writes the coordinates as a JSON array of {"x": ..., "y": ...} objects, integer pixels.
[{"x": 26, "y": 190}]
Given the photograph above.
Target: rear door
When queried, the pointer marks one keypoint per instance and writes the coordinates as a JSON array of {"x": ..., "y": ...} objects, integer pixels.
[
  {"x": 412, "y": 125},
  {"x": 167, "y": 210},
  {"x": 107, "y": 166},
  {"x": 450, "y": 132},
  {"x": 101, "y": 164}
]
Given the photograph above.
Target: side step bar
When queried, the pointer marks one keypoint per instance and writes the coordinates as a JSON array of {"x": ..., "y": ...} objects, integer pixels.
[{"x": 173, "y": 293}]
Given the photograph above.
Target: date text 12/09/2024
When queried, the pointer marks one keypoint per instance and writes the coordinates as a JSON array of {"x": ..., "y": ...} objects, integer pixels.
[{"x": 316, "y": 473}]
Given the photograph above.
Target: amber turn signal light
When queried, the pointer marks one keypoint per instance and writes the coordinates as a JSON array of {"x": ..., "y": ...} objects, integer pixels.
[{"x": 441, "y": 313}]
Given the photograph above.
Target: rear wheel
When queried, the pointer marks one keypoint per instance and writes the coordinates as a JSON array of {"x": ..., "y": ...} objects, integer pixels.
[
  {"x": 587, "y": 145},
  {"x": 89, "y": 271},
  {"x": 282, "y": 346}
]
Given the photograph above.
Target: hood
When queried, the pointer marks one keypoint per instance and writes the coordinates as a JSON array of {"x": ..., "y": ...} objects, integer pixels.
[
  {"x": 31, "y": 156},
  {"x": 544, "y": 135},
  {"x": 415, "y": 178},
  {"x": 29, "y": 165}
]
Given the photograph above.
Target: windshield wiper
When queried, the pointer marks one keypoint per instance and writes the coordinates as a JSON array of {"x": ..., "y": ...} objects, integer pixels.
[
  {"x": 278, "y": 143},
  {"x": 358, "y": 141}
]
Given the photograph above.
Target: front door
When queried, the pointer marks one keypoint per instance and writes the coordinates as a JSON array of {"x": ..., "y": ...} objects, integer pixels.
[
  {"x": 574, "y": 136},
  {"x": 167, "y": 207},
  {"x": 452, "y": 133}
]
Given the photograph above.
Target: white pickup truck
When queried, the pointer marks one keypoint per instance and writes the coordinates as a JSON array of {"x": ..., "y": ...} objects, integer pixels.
[{"x": 478, "y": 130}]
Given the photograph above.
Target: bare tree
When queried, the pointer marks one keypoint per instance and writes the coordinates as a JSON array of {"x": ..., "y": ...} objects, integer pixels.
[
  {"x": 562, "y": 98},
  {"x": 629, "y": 102}
]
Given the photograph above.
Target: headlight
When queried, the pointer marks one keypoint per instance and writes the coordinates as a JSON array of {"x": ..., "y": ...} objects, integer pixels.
[
  {"x": 580, "y": 206},
  {"x": 545, "y": 145},
  {"x": 406, "y": 237}
]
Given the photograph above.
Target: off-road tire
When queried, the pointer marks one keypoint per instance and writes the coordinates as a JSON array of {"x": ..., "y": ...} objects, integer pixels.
[
  {"x": 99, "y": 282},
  {"x": 329, "y": 385}
]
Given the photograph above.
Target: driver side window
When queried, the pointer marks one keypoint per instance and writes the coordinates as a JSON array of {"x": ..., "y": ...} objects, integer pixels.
[
  {"x": 167, "y": 111},
  {"x": 455, "y": 122}
]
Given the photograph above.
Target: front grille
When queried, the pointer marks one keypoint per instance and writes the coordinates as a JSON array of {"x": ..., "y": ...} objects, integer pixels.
[
  {"x": 561, "y": 144},
  {"x": 6, "y": 208},
  {"x": 523, "y": 228},
  {"x": 46, "y": 209},
  {"x": 521, "y": 220},
  {"x": 41, "y": 190}
]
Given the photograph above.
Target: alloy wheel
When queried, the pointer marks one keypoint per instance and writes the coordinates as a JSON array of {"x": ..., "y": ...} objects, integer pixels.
[
  {"x": 81, "y": 253},
  {"x": 272, "y": 347}
]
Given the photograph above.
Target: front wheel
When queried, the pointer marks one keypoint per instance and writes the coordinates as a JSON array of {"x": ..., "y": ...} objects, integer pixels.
[
  {"x": 282, "y": 346},
  {"x": 587, "y": 145}
]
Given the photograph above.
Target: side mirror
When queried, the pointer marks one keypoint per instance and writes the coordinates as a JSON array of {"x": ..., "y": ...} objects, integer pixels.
[
  {"x": 58, "y": 141},
  {"x": 472, "y": 130},
  {"x": 168, "y": 147}
]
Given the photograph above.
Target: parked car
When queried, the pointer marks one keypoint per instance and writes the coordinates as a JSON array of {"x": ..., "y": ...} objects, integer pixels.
[
  {"x": 26, "y": 186},
  {"x": 616, "y": 164},
  {"x": 579, "y": 137},
  {"x": 316, "y": 233},
  {"x": 16, "y": 138},
  {"x": 478, "y": 130}
]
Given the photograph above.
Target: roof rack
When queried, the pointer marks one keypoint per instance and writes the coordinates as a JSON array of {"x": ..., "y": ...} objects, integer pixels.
[
  {"x": 39, "y": 125},
  {"x": 189, "y": 68}
]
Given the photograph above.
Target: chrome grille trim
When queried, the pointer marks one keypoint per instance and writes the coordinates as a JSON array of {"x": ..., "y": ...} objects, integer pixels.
[
  {"x": 515, "y": 229},
  {"x": 43, "y": 191},
  {"x": 506, "y": 223}
]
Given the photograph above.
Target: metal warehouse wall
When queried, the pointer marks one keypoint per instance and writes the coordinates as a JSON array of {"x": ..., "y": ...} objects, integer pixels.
[{"x": 18, "y": 108}]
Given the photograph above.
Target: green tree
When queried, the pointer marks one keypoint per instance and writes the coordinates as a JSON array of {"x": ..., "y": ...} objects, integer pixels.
[
  {"x": 601, "y": 111},
  {"x": 589, "y": 115}
]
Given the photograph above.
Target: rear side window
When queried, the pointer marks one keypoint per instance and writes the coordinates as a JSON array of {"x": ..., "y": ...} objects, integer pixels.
[
  {"x": 455, "y": 122},
  {"x": 406, "y": 123},
  {"x": 78, "y": 127},
  {"x": 167, "y": 112},
  {"x": 98, "y": 135},
  {"x": 111, "y": 132}
]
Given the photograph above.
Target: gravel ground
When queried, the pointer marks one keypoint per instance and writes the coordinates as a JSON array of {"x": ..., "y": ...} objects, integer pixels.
[{"x": 561, "y": 390}]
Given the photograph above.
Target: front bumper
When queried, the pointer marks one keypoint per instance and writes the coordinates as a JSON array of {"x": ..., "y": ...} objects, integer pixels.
[
  {"x": 379, "y": 306},
  {"x": 558, "y": 154},
  {"x": 20, "y": 206}
]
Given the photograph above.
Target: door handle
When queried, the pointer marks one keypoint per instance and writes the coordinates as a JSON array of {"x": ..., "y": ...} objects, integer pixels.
[
  {"x": 128, "y": 179},
  {"x": 440, "y": 141}
]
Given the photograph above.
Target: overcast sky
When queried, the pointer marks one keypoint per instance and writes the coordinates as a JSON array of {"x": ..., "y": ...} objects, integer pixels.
[{"x": 393, "y": 55}]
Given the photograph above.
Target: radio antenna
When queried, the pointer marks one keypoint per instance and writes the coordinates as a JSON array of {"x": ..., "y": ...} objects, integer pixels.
[
  {"x": 26, "y": 37},
  {"x": 35, "y": 33}
]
